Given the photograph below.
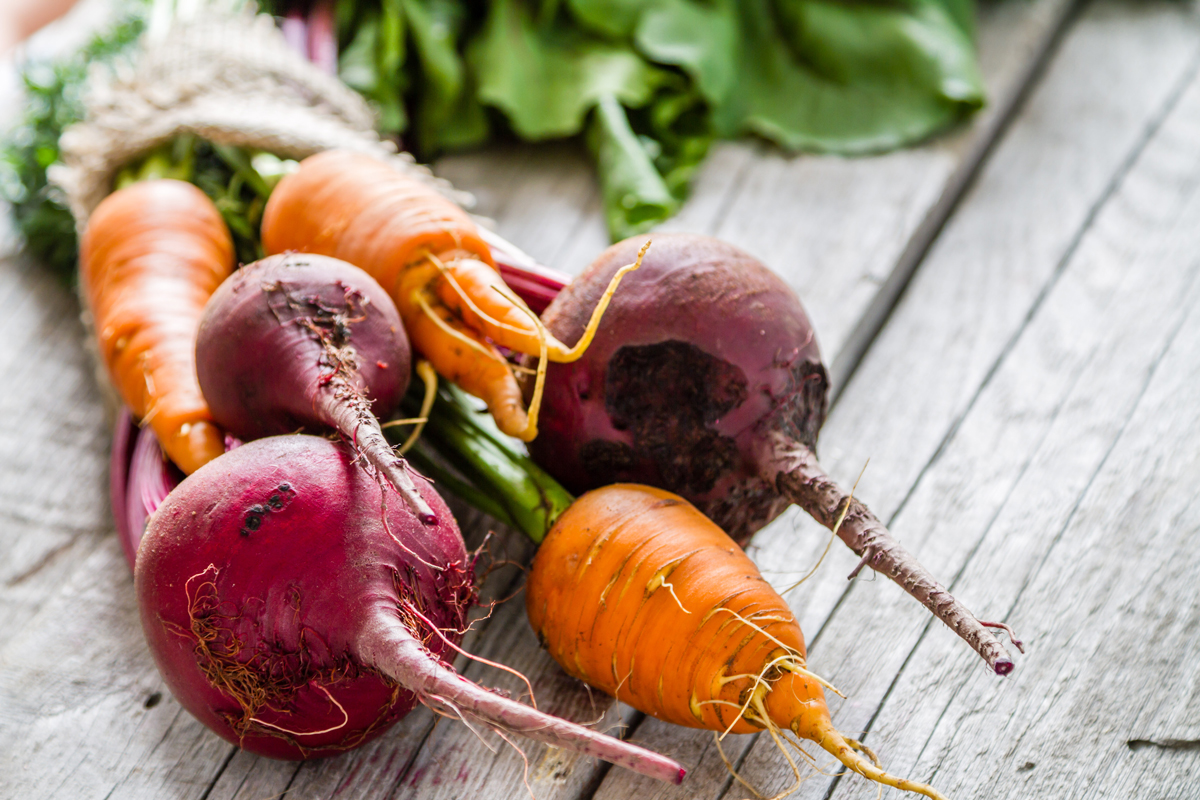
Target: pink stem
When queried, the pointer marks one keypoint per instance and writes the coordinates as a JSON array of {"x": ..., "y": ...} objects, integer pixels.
[
  {"x": 322, "y": 37},
  {"x": 295, "y": 31},
  {"x": 392, "y": 649},
  {"x": 150, "y": 478},
  {"x": 118, "y": 479}
]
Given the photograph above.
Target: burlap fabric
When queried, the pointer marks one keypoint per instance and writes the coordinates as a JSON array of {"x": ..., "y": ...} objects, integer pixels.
[{"x": 229, "y": 78}]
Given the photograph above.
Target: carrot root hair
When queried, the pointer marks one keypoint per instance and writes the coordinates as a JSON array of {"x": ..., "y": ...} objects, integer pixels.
[
  {"x": 428, "y": 376},
  {"x": 539, "y": 384},
  {"x": 841, "y": 748},
  {"x": 561, "y": 354}
]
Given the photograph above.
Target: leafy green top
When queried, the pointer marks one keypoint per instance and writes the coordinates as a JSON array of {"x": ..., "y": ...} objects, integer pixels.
[
  {"x": 652, "y": 82},
  {"x": 649, "y": 83}
]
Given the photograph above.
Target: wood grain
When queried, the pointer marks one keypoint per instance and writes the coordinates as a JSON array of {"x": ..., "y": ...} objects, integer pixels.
[
  {"x": 1089, "y": 549},
  {"x": 1088, "y": 117}
]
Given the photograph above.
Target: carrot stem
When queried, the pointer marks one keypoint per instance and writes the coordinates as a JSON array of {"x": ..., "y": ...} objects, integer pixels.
[{"x": 493, "y": 467}]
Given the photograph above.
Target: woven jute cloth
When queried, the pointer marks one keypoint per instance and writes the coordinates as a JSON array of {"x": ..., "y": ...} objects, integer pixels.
[{"x": 230, "y": 78}]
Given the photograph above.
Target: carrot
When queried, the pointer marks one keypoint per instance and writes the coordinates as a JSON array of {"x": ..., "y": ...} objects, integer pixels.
[
  {"x": 151, "y": 256},
  {"x": 637, "y": 593},
  {"x": 430, "y": 257}
]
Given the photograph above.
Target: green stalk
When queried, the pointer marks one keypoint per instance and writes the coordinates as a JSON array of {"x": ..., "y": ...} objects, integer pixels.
[
  {"x": 176, "y": 160},
  {"x": 462, "y": 449}
]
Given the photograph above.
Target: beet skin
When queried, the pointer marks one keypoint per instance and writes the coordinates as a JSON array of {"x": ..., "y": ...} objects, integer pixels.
[
  {"x": 291, "y": 606},
  {"x": 300, "y": 341}
]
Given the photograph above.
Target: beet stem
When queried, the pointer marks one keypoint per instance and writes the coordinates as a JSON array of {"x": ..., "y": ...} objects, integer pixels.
[
  {"x": 797, "y": 475},
  {"x": 322, "y": 49},
  {"x": 392, "y": 648}
]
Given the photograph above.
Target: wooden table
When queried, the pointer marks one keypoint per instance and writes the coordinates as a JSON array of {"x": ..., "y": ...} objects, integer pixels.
[{"x": 1011, "y": 314}]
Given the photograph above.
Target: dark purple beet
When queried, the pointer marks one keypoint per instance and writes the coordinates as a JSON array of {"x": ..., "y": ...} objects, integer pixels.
[
  {"x": 299, "y": 341},
  {"x": 701, "y": 348},
  {"x": 705, "y": 379},
  {"x": 289, "y": 608}
]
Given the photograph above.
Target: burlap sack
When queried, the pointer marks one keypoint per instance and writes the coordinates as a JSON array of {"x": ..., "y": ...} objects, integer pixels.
[{"x": 229, "y": 78}]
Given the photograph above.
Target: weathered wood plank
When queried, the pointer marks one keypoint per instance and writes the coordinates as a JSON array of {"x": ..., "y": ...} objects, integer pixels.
[
  {"x": 53, "y": 490},
  {"x": 1091, "y": 548},
  {"x": 966, "y": 303},
  {"x": 375, "y": 770}
]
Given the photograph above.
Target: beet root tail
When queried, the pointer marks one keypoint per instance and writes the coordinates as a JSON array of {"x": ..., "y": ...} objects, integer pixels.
[
  {"x": 793, "y": 469},
  {"x": 394, "y": 651}
]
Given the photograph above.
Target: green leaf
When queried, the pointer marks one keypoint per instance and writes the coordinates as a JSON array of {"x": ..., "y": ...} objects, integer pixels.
[
  {"x": 678, "y": 122},
  {"x": 614, "y": 18},
  {"x": 390, "y": 48},
  {"x": 449, "y": 114},
  {"x": 873, "y": 76},
  {"x": 963, "y": 14},
  {"x": 359, "y": 67},
  {"x": 635, "y": 196},
  {"x": 700, "y": 38},
  {"x": 356, "y": 62},
  {"x": 545, "y": 80}
]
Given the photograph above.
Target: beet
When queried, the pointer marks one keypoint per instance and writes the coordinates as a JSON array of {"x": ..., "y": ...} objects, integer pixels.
[
  {"x": 299, "y": 341},
  {"x": 289, "y": 607},
  {"x": 705, "y": 379}
]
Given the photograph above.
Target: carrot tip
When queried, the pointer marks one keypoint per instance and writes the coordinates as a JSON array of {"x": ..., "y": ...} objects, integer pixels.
[{"x": 1003, "y": 666}]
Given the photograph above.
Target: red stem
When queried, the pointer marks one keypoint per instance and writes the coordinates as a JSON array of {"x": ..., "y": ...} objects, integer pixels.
[
  {"x": 322, "y": 37},
  {"x": 118, "y": 481},
  {"x": 138, "y": 491},
  {"x": 392, "y": 649}
]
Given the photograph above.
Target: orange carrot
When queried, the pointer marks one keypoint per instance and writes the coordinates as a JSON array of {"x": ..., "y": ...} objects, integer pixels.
[
  {"x": 429, "y": 256},
  {"x": 151, "y": 256},
  {"x": 637, "y": 593}
]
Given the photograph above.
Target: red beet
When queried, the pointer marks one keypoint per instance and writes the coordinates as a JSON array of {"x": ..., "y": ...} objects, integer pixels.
[
  {"x": 289, "y": 607},
  {"x": 300, "y": 341},
  {"x": 705, "y": 379}
]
